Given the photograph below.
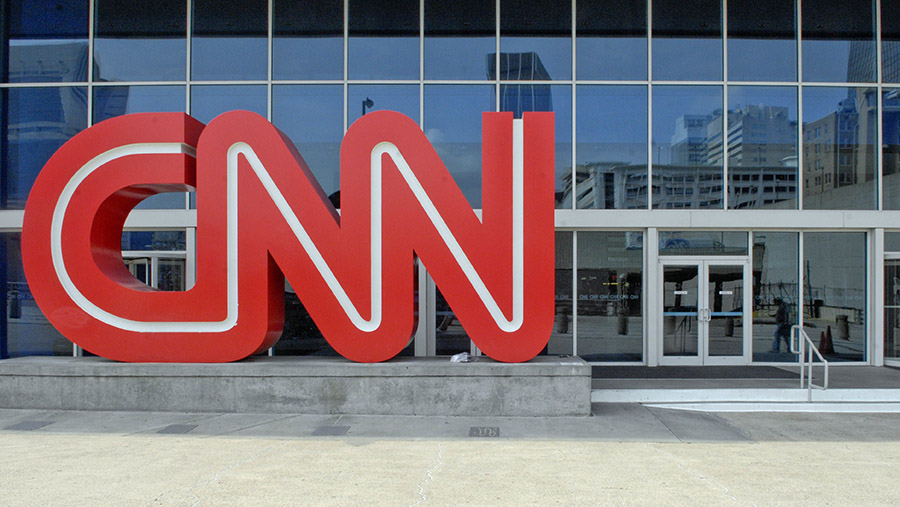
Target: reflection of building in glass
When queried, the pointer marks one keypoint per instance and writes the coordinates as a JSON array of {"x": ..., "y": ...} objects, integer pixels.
[
  {"x": 623, "y": 186},
  {"x": 519, "y": 98},
  {"x": 689, "y": 142},
  {"x": 40, "y": 119},
  {"x": 762, "y": 166},
  {"x": 890, "y": 104},
  {"x": 835, "y": 150}
]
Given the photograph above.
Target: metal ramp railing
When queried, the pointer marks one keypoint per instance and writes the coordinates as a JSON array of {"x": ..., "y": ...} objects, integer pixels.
[{"x": 805, "y": 348}]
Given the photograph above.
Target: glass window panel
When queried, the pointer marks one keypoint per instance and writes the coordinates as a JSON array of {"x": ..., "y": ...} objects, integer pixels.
[
  {"x": 229, "y": 39},
  {"x": 611, "y": 150},
  {"x": 209, "y": 101},
  {"x": 24, "y": 331},
  {"x": 140, "y": 40},
  {"x": 610, "y": 315},
  {"x": 365, "y": 98},
  {"x": 762, "y": 147},
  {"x": 310, "y": 115},
  {"x": 561, "y": 338},
  {"x": 839, "y": 139},
  {"x": 520, "y": 98},
  {"x": 892, "y": 304},
  {"x": 154, "y": 240},
  {"x": 301, "y": 336},
  {"x": 890, "y": 41},
  {"x": 892, "y": 242},
  {"x": 453, "y": 125},
  {"x": 890, "y": 125},
  {"x": 702, "y": 243},
  {"x": 835, "y": 292},
  {"x": 762, "y": 40},
  {"x": 308, "y": 40},
  {"x": 687, "y": 147},
  {"x": 611, "y": 39},
  {"x": 47, "y": 41},
  {"x": 535, "y": 40},
  {"x": 38, "y": 121},
  {"x": 776, "y": 285},
  {"x": 460, "y": 39},
  {"x": 838, "y": 40},
  {"x": 687, "y": 40},
  {"x": 384, "y": 39},
  {"x": 112, "y": 101}
]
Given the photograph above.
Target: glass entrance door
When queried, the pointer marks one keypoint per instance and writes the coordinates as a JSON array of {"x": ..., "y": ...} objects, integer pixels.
[{"x": 704, "y": 311}]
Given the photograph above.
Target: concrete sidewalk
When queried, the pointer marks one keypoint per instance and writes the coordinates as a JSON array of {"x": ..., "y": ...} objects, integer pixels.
[{"x": 624, "y": 454}]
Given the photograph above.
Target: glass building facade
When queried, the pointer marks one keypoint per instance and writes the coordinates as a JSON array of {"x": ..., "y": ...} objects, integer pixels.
[{"x": 723, "y": 169}]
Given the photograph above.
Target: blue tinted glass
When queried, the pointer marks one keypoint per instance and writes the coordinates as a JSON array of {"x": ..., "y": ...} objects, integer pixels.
[
  {"x": 687, "y": 40},
  {"x": 154, "y": 240},
  {"x": 611, "y": 39},
  {"x": 611, "y": 149},
  {"x": 139, "y": 40},
  {"x": 400, "y": 98},
  {"x": 47, "y": 41},
  {"x": 762, "y": 147},
  {"x": 838, "y": 40},
  {"x": 24, "y": 331},
  {"x": 38, "y": 122},
  {"x": 890, "y": 41},
  {"x": 536, "y": 39},
  {"x": 311, "y": 115},
  {"x": 891, "y": 147},
  {"x": 308, "y": 39},
  {"x": 687, "y": 147},
  {"x": 762, "y": 42},
  {"x": 453, "y": 125},
  {"x": 521, "y": 98},
  {"x": 384, "y": 39},
  {"x": 460, "y": 38},
  {"x": 839, "y": 138},
  {"x": 209, "y": 101},
  {"x": 229, "y": 39},
  {"x": 112, "y": 101}
]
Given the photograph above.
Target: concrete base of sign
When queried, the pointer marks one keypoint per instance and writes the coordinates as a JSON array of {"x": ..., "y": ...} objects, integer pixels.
[{"x": 544, "y": 386}]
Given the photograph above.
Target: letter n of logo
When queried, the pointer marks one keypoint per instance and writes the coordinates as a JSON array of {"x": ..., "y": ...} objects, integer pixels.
[{"x": 261, "y": 217}]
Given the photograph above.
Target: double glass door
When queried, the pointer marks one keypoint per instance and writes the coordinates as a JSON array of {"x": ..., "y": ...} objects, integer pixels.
[{"x": 705, "y": 316}]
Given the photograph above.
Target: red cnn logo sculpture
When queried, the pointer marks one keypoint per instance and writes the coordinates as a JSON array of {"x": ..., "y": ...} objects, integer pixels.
[{"x": 261, "y": 216}]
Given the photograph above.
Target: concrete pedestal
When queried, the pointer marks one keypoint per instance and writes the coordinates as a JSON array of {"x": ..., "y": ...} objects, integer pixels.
[{"x": 544, "y": 386}]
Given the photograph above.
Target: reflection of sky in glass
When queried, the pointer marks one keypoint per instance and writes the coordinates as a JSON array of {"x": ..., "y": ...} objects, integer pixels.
[
  {"x": 209, "y": 101},
  {"x": 228, "y": 58},
  {"x": 612, "y": 124},
  {"x": 311, "y": 116},
  {"x": 458, "y": 57},
  {"x": 111, "y": 101},
  {"x": 762, "y": 59},
  {"x": 687, "y": 59},
  {"x": 611, "y": 133},
  {"x": 555, "y": 53},
  {"x": 384, "y": 57},
  {"x": 560, "y": 98},
  {"x": 139, "y": 59},
  {"x": 838, "y": 61},
  {"x": 606, "y": 58},
  {"x": 400, "y": 98},
  {"x": 453, "y": 125},
  {"x": 308, "y": 58}
]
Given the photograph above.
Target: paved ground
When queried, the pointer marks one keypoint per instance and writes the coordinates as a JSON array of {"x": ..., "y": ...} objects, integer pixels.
[{"x": 624, "y": 454}]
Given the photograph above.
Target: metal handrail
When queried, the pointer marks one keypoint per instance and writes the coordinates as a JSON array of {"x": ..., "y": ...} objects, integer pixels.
[{"x": 807, "y": 362}]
